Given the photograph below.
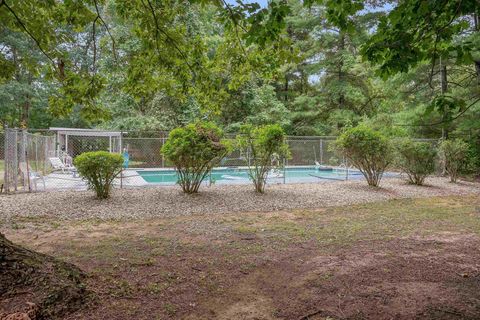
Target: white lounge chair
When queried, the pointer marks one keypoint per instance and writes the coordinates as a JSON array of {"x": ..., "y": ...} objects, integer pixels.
[
  {"x": 31, "y": 176},
  {"x": 320, "y": 166},
  {"x": 57, "y": 164}
]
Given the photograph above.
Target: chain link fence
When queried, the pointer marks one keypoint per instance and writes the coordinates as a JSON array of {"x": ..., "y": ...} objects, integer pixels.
[
  {"x": 25, "y": 160},
  {"x": 38, "y": 160}
]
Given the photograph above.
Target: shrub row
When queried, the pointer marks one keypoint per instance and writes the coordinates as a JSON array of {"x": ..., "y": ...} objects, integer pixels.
[
  {"x": 372, "y": 153},
  {"x": 196, "y": 148}
]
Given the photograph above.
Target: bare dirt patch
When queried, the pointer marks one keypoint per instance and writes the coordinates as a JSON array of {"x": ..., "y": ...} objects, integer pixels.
[{"x": 399, "y": 259}]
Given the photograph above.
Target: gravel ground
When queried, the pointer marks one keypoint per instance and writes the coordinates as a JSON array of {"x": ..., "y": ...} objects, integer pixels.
[{"x": 169, "y": 201}]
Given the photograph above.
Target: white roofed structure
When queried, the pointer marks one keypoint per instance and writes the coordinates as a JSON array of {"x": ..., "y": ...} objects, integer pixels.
[{"x": 63, "y": 135}]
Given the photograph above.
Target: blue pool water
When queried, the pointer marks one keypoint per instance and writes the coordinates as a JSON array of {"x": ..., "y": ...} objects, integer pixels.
[{"x": 240, "y": 175}]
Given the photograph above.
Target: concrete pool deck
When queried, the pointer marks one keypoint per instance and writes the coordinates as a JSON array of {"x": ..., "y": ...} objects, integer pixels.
[
  {"x": 164, "y": 201},
  {"x": 132, "y": 178}
]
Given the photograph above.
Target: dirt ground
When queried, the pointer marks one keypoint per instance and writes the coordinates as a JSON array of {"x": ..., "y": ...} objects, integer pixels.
[{"x": 399, "y": 259}]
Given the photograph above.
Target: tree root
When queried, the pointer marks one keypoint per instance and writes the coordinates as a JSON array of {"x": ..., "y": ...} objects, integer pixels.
[{"x": 54, "y": 287}]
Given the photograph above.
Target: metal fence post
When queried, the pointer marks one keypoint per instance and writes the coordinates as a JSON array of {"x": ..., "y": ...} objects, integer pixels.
[
  {"x": 36, "y": 154},
  {"x": 321, "y": 151},
  {"x": 121, "y": 152},
  {"x": 15, "y": 161},
  {"x": 163, "y": 157},
  {"x": 346, "y": 167},
  {"x": 6, "y": 163},
  {"x": 24, "y": 156},
  {"x": 45, "y": 154}
]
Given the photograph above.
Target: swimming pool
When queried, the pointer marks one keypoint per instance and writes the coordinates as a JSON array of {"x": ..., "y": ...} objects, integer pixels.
[{"x": 240, "y": 175}]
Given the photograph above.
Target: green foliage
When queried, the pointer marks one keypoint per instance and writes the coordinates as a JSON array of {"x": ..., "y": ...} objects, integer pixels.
[
  {"x": 194, "y": 150},
  {"x": 266, "y": 23},
  {"x": 193, "y": 50},
  {"x": 265, "y": 148},
  {"x": 407, "y": 35},
  {"x": 183, "y": 52},
  {"x": 51, "y": 31},
  {"x": 256, "y": 105},
  {"x": 455, "y": 155},
  {"x": 473, "y": 158},
  {"x": 340, "y": 12},
  {"x": 368, "y": 150},
  {"x": 158, "y": 65},
  {"x": 385, "y": 123},
  {"x": 99, "y": 169},
  {"x": 416, "y": 159},
  {"x": 327, "y": 87}
]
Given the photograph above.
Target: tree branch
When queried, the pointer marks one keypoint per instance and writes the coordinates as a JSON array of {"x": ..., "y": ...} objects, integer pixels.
[
  {"x": 236, "y": 25},
  {"x": 106, "y": 28},
  {"x": 458, "y": 115},
  {"x": 94, "y": 68},
  {"x": 20, "y": 22},
  {"x": 167, "y": 36}
]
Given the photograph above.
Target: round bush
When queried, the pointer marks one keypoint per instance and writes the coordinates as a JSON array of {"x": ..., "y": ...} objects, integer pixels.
[
  {"x": 416, "y": 159},
  {"x": 194, "y": 150},
  {"x": 99, "y": 169},
  {"x": 368, "y": 150}
]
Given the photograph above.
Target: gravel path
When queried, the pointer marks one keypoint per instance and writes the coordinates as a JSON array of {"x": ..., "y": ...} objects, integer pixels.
[{"x": 169, "y": 201}]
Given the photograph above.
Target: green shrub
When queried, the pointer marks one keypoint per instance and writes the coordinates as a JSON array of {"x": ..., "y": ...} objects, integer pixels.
[
  {"x": 99, "y": 169},
  {"x": 194, "y": 150},
  {"x": 368, "y": 150},
  {"x": 454, "y": 154},
  {"x": 416, "y": 159},
  {"x": 266, "y": 147},
  {"x": 473, "y": 161}
]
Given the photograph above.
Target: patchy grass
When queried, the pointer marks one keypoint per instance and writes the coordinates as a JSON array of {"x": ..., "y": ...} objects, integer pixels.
[{"x": 409, "y": 258}]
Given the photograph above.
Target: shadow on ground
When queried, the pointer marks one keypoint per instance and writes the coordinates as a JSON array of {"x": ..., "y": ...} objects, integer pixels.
[{"x": 401, "y": 259}]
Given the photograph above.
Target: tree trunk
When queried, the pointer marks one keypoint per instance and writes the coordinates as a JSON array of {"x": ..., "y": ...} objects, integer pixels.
[
  {"x": 477, "y": 68},
  {"x": 476, "y": 22},
  {"x": 54, "y": 286},
  {"x": 444, "y": 85},
  {"x": 24, "y": 113},
  {"x": 341, "y": 75}
]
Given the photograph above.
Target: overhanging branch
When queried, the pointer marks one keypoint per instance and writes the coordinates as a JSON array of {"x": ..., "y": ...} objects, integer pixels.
[
  {"x": 172, "y": 41},
  {"x": 458, "y": 115},
  {"x": 20, "y": 22},
  {"x": 99, "y": 16}
]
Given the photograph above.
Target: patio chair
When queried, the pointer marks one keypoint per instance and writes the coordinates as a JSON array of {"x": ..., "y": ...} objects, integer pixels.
[
  {"x": 319, "y": 166},
  {"x": 31, "y": 176},
  {"x": 57, "y": 164}
]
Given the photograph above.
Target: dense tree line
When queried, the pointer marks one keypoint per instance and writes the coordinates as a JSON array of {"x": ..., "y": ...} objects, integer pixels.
[{"x": 316, "y": 67}]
